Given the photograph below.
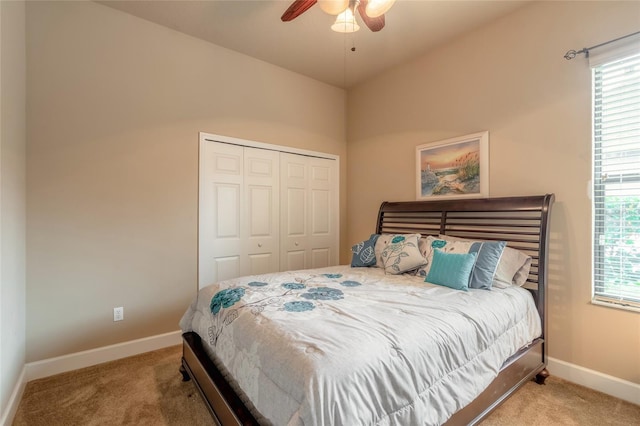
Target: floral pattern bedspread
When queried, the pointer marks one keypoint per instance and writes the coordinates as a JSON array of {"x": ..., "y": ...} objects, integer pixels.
[{"x": 353, "y": 346}]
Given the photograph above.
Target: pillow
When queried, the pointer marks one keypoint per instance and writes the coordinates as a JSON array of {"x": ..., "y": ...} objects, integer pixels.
[
  {"x": 452, "y": 270},
  {"x": 364, "y": 252},
  {"x": 513, "y": 268},
  {"x": 401, "y": 254},
  {"x": 383, "y": 241},
  {"x": 488, "y": 256},
  {"x": 427, "y": 245}
]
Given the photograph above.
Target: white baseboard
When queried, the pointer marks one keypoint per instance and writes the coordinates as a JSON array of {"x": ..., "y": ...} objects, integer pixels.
[
  {"x": 14, "y": 400},
  {"x": 595, "y": 380},
  {"x": 49, "y": 367}
]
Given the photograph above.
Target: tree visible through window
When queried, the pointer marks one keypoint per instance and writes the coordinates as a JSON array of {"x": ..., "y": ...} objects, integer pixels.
[{"x": 617, "y": 181}]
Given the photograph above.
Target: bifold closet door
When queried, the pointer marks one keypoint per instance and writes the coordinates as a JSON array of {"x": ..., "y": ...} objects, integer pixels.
[
  {"x": 308, "y": 212},
  {"x": 239, "y": 212},
  {"x": 261, "y": 210}
]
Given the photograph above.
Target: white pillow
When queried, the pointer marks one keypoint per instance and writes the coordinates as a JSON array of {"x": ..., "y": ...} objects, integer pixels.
[
  {"x": 513, "y": 268},
  {"x": 383, "y": 241},
  {"x": 401, "y": 254},
  {"x": 426, "y": 249}
]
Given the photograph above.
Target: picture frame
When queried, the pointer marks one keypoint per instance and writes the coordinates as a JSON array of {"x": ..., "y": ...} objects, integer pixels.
[{"x": 453, "y": 168}]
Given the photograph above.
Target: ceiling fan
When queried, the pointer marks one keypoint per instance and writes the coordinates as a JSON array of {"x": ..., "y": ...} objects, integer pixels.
[{"x": 371, "y": 11}]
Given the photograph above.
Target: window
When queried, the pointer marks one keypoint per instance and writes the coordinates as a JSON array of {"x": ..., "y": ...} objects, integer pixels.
[{"x": 616, "y": 191}]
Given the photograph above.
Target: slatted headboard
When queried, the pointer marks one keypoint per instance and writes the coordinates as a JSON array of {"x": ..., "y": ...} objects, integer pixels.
[{"x": 523, "y": 222}]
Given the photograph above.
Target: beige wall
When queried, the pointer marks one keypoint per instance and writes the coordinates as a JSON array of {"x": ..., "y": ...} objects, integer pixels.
[
  {"x": 115, "y": 105},
  {"x": 509, "y": 78},
  {"x": 12, "y": 198}
]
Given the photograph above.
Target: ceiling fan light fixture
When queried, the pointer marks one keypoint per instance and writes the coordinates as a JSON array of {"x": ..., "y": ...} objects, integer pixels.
[
  {"x": 377, "y": 8},
  {"x": 333, "y": 7},
  {"x": 345, "y": 22}
]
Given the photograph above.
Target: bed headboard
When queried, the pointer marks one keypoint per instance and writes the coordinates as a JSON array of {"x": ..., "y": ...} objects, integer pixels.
[{"x": 523, "y": 222}]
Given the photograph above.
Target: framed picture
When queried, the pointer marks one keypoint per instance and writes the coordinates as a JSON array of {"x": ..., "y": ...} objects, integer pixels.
[{"x": 453, "y": 168}]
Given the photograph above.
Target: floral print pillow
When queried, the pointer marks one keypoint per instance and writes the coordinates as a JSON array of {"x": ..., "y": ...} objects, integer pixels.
[
  {"x": 427, "y": 245},
  {"x": 401, "y": 254},
  {"x": 383, "y": 241}
]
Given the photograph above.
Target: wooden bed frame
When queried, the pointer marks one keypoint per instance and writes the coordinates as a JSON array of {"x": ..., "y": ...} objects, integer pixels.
[{"x": 521, "y": 221}]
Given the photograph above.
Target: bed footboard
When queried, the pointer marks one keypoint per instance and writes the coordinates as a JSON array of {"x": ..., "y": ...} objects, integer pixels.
[
  {"x": 518, "y": 370},
  {"x": 225, "y": 406}
]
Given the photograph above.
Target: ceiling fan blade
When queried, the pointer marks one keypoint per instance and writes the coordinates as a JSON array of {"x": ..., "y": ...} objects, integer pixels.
[
  {"x": 374, "y": 24},
  {"x": 296, "y": 9}
]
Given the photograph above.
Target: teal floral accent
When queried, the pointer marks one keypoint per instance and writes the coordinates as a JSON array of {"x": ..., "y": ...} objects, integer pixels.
[
  {"x": 397, "y": 239},
  {"x": 350, "y": 283},
  {"x": 438, "y": 243},
  {"x": 324, "y": 293},
  {"x": 225, "y": 299},
  {"x": 298, "y": 306},
  {"x": 332, "y": 275},
  {"x": 294, "y": 286},
  {"x": 256, "y": 284}
]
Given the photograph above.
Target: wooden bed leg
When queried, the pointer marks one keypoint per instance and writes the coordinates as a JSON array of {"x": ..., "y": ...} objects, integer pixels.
[
  {"x": 542, "y": 376},
  {"x": 185, "y": 375}
]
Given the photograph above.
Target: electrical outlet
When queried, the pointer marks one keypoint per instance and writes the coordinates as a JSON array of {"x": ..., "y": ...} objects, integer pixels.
[{"x": 118, "y": 314}]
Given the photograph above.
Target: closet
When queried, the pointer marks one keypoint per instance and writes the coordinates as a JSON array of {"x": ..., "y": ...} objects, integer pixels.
[{"x": 264, "y": 208}]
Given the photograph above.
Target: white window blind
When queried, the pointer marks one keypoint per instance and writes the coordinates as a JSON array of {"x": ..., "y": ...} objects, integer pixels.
[{"x": 616, "y": 192}]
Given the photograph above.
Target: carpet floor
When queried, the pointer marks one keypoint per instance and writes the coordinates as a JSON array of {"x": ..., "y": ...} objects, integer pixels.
[{"x": 147, "y": 389}]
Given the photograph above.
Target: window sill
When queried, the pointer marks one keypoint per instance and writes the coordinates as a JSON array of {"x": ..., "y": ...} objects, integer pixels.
[{"x": 625, "y": 306}]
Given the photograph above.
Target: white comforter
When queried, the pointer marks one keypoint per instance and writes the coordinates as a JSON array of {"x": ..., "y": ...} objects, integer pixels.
[{"x": 353, "y": 346}]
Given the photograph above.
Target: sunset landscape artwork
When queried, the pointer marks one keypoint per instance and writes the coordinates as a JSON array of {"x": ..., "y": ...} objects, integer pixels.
[{"x": 454, "y": 168}]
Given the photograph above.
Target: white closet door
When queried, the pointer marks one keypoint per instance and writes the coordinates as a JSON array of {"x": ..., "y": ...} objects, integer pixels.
[
  {"x": 220, "y": 221},
  {"x": 323, "y": 212},
  {"x": 293, "y": 212},
  {"x": 261, "y": 209},
  {"x": 309, "y": 212}
]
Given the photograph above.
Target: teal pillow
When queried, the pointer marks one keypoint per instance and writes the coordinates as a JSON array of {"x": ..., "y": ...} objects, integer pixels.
[{"x": 451, "y": 269}]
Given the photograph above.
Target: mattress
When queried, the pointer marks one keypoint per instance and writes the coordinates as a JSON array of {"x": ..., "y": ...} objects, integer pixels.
[{"x": 353, "y": 346}]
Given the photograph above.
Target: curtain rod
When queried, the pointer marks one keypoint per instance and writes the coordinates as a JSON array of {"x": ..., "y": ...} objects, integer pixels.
[{"x": 572, "y": 53}]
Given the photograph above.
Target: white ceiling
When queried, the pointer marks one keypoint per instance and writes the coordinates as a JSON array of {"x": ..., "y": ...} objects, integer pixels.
[{"x": 307, "y": 45}]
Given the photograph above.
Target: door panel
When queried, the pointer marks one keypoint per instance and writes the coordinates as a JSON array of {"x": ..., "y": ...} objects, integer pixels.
[
  {"x": 295, "y": 171},
  {"x": 225, "y": 268},
  {"x": 323, "y": 211},
  {"x": 294, "y": 260},
  {"x": 260, "y": 211},
  {"x": 296, "y": 212},
  {"x": 228, "y": 162},
  {"x": 220, "y": 222},
  {"x": 261, "y": 243},
  {"x": 320, "y": 213},
  {"x": 260, "y": 263},
  {"x": 227, "y": 208},
  {"x": 321, "y": 172},
  {"x": 309, "y": 215},
  {"x": 259, "y": 167},
  {"x": 320, "y": 258},
  {"x": 293, "y": 212}
]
